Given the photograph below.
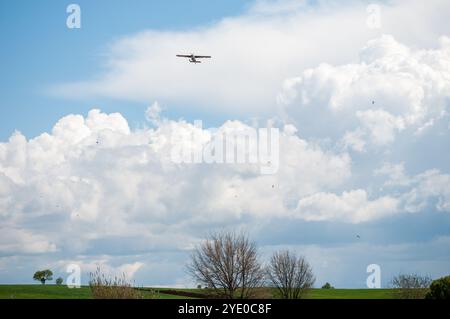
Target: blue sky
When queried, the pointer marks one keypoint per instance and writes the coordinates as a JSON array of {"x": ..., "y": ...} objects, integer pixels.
[
  {"x": 360, "y": 94},
  {"x": 39, "y": 50}
]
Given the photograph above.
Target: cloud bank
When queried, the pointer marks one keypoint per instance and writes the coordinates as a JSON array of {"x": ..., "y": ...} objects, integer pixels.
[
  {"x": 363, "y": 118},
  {"x": 252, "y": 53}
]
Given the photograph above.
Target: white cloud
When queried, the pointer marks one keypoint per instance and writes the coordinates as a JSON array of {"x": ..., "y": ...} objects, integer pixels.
[
  {"x": 430, "y": 185},
  {"x": 395, "y": 173},
  {"x": 94, "y": 178},
  {"x": 430, "y": 188},
  {"x": 106, "y": 264},
  {"x": 392, "y": 89},
  {"x": 353, "y": 206},
  {"x": 381, "y": 125},
  {"x": 253, "y": 54},
  {"x": 19, "y": 241}
]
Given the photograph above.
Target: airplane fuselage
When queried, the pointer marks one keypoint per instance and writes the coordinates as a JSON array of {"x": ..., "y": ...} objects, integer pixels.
[{"x": 192, "y": 59}]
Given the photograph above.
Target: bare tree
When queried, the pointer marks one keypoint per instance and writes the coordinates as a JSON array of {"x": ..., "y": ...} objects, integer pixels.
[
  {"x": 411, "y": 286},
  {"x": 290, "y": 274},
  {"x": 228, "y": 264}
]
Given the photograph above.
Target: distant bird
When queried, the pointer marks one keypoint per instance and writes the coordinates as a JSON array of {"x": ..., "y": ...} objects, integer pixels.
[
  {"x": 357, "y": 236},
  {"x": 373, "y": 102},
  {"x": 273, "y": 186}
]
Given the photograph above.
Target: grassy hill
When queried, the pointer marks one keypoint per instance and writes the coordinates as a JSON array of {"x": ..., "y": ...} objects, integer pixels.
[{"x": 62, "y": 292}]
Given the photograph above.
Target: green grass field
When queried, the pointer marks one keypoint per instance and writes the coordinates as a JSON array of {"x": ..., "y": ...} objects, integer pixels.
[
  {"x": 43, "y": 292},
  {"x": 62, "y": 292}
]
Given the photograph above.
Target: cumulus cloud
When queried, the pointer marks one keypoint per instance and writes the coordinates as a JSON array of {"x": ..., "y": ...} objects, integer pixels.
[
  {"x": 106, "y": 264},
  {"x": 93, "y": 178},
  {"x": 94, "y": 189},
  {"x": 19, "y": 241},
  {"x": 391, "y": 89},
  {"x": 430, "y": 188},
  {"x": 253, "y": 54},
  {"x": 353, "y": 206}
]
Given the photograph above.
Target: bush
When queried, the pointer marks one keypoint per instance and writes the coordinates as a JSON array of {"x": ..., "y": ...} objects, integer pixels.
[
  {"x": 59, "y": 281},
  {"x": 439, "y": 289},
  {"x": 411, "y": 286},
  {"x": 103, "y": 287},
  {"x": 327, "y": 286}
]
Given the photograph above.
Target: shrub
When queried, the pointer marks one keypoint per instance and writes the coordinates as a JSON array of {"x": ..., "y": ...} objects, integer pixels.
[
  {"x": 327, "y": 286},
  {"x": 411, "y": 286},
  {"x": 59, "y": 281},
  {"x": 103, "y": 287},
  {"x": 439, "y": 289}
]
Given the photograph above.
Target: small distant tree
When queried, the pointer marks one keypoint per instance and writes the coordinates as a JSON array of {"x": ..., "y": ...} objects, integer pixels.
[
  {"x": 43, "y": 275},
  {"x": 59, "y": 281},
  {"x": 327, "y": 286},
  {"x": 290, "y": 274},
  {"x": 439, "y": 289},
  {"x": 411, "y": 286}
]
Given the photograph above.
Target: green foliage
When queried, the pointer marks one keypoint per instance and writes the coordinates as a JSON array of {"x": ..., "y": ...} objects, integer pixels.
[
  {"x": 327, "y": 286},
  {"x": 59, "y": 281},
  {"x": 43, "y": 275},
  {"x": 440, "y": 289}
]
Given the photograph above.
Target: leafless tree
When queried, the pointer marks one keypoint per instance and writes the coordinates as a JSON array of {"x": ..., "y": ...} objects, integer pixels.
[
  {"x": 290, "y": 274},
  {"x": 411, "y": 286},
  {"x": 228, "y": 264}
]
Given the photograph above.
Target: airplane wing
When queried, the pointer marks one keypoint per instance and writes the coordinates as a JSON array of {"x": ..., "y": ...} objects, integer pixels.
[
  {"x": 202, "y": 56},
  {"x": 183, "y": 56}
]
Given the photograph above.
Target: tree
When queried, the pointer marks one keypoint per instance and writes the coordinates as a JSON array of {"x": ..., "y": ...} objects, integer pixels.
[
  {"x": 290, "y": 274},
  {"x": 228, "y": 264},
  {"x": 411, "y": 286},
  {"x": 439, "y": 289},
  {"x": 59, "y": 281},
  {"x": 43, "y": 275},
  {"x": 327, "y": 286}
]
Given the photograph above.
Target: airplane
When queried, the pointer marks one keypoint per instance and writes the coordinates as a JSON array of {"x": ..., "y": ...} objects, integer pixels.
[{"x": 193, "y": 58}]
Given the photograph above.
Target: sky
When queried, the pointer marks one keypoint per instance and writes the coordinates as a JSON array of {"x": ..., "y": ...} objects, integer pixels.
[{"x": 360, "y": 93}]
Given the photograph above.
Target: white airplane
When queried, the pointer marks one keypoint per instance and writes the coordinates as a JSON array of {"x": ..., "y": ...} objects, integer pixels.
[{"x": 193, "y": 58}]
